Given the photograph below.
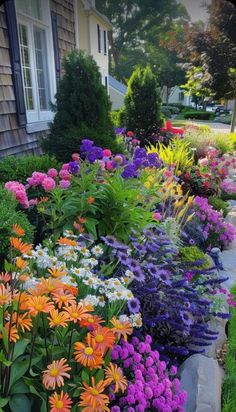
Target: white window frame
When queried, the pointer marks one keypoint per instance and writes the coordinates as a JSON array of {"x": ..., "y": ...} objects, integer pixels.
[{"x": 38, "y": 115}]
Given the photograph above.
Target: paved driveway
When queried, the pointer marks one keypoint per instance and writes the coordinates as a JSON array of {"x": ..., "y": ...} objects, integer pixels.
[{"x": 218, "y": 127}]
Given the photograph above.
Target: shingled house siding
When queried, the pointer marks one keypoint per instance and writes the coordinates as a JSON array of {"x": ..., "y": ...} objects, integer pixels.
[
  {"x": 14, "y": 140},
  {"x": 64, "y": 11}
]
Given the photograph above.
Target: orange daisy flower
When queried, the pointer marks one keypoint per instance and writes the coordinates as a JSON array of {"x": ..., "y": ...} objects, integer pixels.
[
  {"x": 22, "y": 299},
  {"x": 18, "y": 230},
  {"x": 55, "y": 374},
  {"x": 39, "y": 304},
  {"x": 64, "y": 241},
  {"x": 13, "y": 333},
  {"x": 88, "y": 355},
  {"x": 23, "y": 277},
  {"x": 42, "y": 199},
  {"x": 22, "y": 321},
  {"x": 58, "y": 318},
  {"x": 72, "y": 289},
  {"x": 104, "y": 337},
  {"x": 60, "y": 403},
  {"x": 77, "y": 312},
  {"x": 62, "y": 298},
  {"x": 93, "y": 399},
  {"x": 49, "y": 285},
  {"x": 121, "y": 328},
  {"x": 91, "y": 322},
  {"x": 5, "y": 277},
  {"x": 56, "y": 272},
  {"x": 17, "y": 244},
  {"x": 21, "y": 263},
  {"x": 114, "y": 374},
  {"x": 5, "y": 294}
]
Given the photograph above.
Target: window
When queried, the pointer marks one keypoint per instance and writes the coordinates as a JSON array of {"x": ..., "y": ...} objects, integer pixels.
[
  {"x": 105, "y": 42},
  {"x": 106, "y": 83},
  {"x": 181, "y": 96},
  {"x": 35, "y": 40},
  {"x": 99, "y": 38}
]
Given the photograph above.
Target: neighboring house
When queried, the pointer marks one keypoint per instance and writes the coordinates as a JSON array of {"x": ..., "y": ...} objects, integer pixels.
[
  {"x": 117, "y": 91},
  {"x": 35, "y": 35},
  {"x": 176, "y": 95},
  {"x": 92, "y": 35}
]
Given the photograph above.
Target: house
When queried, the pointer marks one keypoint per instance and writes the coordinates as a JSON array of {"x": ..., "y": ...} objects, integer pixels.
[
  {"x": 175, "y": 95},
  {"x": 117, "y": 91},
  {"x": 35, "y": 35},
  {"x": 92, "y": 30}
]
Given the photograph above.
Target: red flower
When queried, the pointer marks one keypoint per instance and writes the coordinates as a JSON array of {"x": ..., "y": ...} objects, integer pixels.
[{"x": 130, "y": 134}]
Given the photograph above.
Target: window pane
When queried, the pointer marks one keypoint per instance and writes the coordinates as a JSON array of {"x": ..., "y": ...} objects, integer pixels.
[
  {"x": 30, "y": 8},
  {"x": 25, "y": 62},
  {"x": 41, "y": 67}
]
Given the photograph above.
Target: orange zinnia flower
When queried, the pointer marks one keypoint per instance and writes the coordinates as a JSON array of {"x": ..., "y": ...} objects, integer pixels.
[
  {"x": 91, "y": 322},
  {"x": 13, "y": 333},
  {"x": 104, "y": 337},
  {"x": 58, "y": 318},
  {"x": 77, "y": 312},
  {"x": 121, "y": 328},
  {"x": 91, "y": 200},
  {"x": 17, "y": 244},
  {"x": 55, "y": 374},
  {"x": 21, "y": 263},
  {"x": 93, "y": 399},
  {"x": 56, "y": 272},
  {"x": 64, "y": 241},
  {"x": 39, "y": 304},
  {"x": 88, "y": 355},
  {"x": 60, "y": 403},
  {"x": 18, "y": 230},
  {"x": 22, "y": 321},
  {"x": 5, "y": 277},
  {"x": 5, "y": 294},
  {"x": 49, "y": 285},
  {"x": 62, "y": 298},
  {"x": 114, "y": 374}
]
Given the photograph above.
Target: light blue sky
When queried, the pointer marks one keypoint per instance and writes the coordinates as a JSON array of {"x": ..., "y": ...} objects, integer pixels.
[{"x": 195, "y": 9}]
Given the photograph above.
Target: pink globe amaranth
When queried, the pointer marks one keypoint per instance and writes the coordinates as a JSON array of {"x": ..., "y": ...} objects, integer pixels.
[
  {"x": 157, "y": 216},
  {"x": 109, "y": 165},
  {"x": 48, "y": 184},
  {"x": 65, "y": 166},
  {"x": 75, "y": 157},
  {"x": 64, "y": 174},
  {"x": 52, "y": 172},
  {"x": 64, "y": 184},
  {"x": 106, "y": 153}
]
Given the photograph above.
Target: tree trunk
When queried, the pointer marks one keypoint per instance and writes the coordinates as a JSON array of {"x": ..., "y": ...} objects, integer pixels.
[{"x": 233, "y": 117}]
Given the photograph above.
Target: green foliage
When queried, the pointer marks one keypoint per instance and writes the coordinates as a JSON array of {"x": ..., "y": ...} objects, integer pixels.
[
  {"x": 19, "y": 168},
  {"x": 198, "y": 114},
  {"x": 228, "y": 391},
  {"x": 166, "y": 112},
  {"x": 82, "y": 109},
  {"x": 118, "y": 117},
  {"x": 172, "y": 109},
  {"x": 193, "y": 254},
  {"x": 201, "y": 138},
  {"x": 142, "y": 102},
  {"x": 232, "y": 137},
  {"x": 8, "y": 217},
  {"x": 218, "y": 204}
]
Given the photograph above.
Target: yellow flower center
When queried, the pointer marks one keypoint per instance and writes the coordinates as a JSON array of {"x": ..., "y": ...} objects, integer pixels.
[
  {"x": 88, "y": 351},
  {"x": 74, "y": 315},
  {"x": 40, "y": 253},
  {"x": 90, "y": 320},
  {"x": 94, "y": 391},
  {"x": 54, "y": 372},
  {"x": 99, "y": 338},
  {"x": 56, "y": 320},
  {"x": 38, "y": 306},
  {"x": 116, "y": 377},
  {"x": 120, "y": 326},
  {"x": 59, "y": 404}
]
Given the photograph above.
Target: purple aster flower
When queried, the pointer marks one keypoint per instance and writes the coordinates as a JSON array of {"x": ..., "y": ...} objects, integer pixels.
[
  {"x": 110, "y": 241},
  {"x": 140, "y": 152},
  {"x": 74, "y": 167},
  {"x": 132, "y": 263},
  {"x": 134, "y": 305},
  {"x": 129, "y": 171},
  {"x": 138, "y": 274},
  {"x": 86, "y": 145}
]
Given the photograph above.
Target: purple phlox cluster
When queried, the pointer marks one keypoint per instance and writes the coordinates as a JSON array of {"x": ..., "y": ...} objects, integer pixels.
[{"x": 150, "y": 385}]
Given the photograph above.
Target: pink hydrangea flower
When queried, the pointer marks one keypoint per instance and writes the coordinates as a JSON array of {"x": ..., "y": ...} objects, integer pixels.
[
  {"x": 203, "y": 162},
  {"x": 52, "y": 173},
  {"x": 109, "y": 165},
  {"x": 48, "y": 184},
  {"x": 106, "y": 153},
  {"x": 64, "y": 184},
  {"x": 65, "y": 166},
  {"x": 64, "y": 174},
  {"x": 76, "y": 157}
]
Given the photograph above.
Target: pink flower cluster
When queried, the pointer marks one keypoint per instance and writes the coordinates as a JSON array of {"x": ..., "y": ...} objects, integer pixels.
[
  {"x": 151, "y": 386},
  {"x": 213, "y": 222},
  {"x": 19, "y": 191},
  {"x": 228, "y": 186}
]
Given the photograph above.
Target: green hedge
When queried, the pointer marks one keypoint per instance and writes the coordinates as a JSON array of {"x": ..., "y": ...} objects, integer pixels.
[
  {"x": 218, "y": 204},
  {"x": 19, "y": 168},
  {"x": 199, "y": 115}
]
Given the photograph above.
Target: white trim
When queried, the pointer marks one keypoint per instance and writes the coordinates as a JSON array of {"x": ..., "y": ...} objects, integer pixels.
[
  {"x": 37, "y": 127},
  {"x": 75, "y": 3}
]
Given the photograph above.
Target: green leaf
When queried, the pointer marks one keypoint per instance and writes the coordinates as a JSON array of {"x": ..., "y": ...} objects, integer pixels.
[
  {"x": 4, "y": 337},
  {"x": 4, "y": 360},
  {"x": 19, "y": 387},
  {"x": 3, "y": 402},
  {"x": 35, "y": 392},
  {"x": 85, "y": 376},
  {"x": 20, "y": 403},
  {"x": 99, "y": 376},
  {"x": 19, "y": 368},
  {"x": 20, "y": 347}
]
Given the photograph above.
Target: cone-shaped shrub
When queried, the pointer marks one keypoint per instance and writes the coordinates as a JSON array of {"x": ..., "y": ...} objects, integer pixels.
[
  {"x": 143, "y": 102},
  {"x": 82, "y": 109}
]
